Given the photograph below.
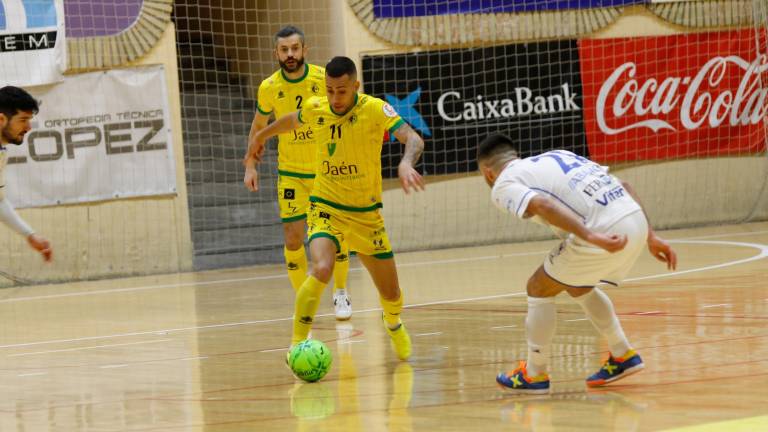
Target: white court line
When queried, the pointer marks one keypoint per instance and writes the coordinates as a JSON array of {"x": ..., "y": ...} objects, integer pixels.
[
  {"x": 715, "y": 305},
  {"x": 351, "y": 341},
  {"x": 248, "y": 279},
  {"x": 33, "y": 374},
  {"x": 87, "y": 348},
  {"x": 762, "y": 248},
  {"x": 503, "y": 327},
  {"x": 576, "y": 319},
  {"x": 273, "y": 350},
  {"x": 194, "y": 358},
  {"x": 284, "y": 276},
  {"x": 763, "y": 253},
  {"x": 714, "y": 236},
  {"x": 114, "y": 366},
  {"x": 428, "y": 334},
  {"x": 648, "y": 313}
]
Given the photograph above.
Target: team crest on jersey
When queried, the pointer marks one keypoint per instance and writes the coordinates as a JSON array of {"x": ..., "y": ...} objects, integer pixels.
[
  {"x": 315, "y": 88},
  {"x": 353, "y": 119},
  {"x": 331, "y": 148},
  {"x": 389, "y": 111},
  {"x": 320, "y": 121},
  {"x": 280, "y": 94}
]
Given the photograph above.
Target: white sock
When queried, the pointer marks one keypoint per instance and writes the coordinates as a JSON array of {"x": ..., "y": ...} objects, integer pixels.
[
  {"x": 599, "y": 310},
  {"x": 540, "y": 324},
  {"x": 340, "y": 291}
]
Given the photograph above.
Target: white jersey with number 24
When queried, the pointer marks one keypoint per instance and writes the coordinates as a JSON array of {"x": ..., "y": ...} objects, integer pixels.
[{"x": 579, "y": 184}]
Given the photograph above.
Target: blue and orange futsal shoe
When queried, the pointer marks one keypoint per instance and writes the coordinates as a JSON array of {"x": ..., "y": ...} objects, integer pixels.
[
  {"x": 616, "y": 368},
  {"x": 518, "y": 381}
]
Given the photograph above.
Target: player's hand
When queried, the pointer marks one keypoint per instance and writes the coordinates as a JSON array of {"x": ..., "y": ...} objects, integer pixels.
[
  {"x": 409, "y": 178},
  {"x": 610, "y": 242},
  {"x": 662, "y": 251},
  {"x": 41, "y": 245},
  {"x": 251, "y": 179}
]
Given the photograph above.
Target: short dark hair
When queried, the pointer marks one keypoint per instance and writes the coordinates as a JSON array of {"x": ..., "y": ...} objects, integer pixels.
[
  {"x": 340, "y": 66},
  {"x": 495, "y": 144},
  {"x": 288, "y": 31},
  {"x": 14, "y": 99}
]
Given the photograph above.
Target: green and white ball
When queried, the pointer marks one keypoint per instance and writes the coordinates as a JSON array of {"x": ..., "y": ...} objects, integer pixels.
[{"x": 310, "y": 360}]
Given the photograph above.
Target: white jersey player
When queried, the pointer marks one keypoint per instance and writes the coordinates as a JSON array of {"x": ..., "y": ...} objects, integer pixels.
[
  {"x": 605, "y": 229},
  {"x": 17, "y": 107}
]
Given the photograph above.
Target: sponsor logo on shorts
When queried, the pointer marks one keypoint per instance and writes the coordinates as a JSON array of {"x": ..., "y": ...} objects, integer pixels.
[{"x": 289, "y": 194}]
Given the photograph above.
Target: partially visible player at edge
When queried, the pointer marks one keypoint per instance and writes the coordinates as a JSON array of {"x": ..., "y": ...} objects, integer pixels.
[
  {"x": 283, "y": 92},
  {"x": 17, "y": 108},
  {"x": 604, "y": 230},
  {"x": 346, "y": 197}
]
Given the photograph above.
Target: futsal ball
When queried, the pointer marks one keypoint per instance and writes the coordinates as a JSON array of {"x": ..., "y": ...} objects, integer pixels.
[{"x": 310, "y": 360}]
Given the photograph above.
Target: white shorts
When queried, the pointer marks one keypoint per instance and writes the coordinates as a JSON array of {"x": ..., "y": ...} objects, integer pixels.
[{"x": 580, "y": 264}]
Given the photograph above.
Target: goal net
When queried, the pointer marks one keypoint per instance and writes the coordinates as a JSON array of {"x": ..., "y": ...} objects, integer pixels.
[{"x": 681, "y": 117}]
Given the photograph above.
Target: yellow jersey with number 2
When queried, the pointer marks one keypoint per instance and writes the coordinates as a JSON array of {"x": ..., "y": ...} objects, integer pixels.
[{"x": 281, "y": 95}]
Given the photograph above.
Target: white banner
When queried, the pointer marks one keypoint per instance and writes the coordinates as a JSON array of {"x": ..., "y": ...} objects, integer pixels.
[
  {"x": 32, "y": 46},
  {"x": 98, "y": 136}
]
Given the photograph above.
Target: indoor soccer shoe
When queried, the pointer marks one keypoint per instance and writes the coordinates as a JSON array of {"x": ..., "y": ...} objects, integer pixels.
[
  {"x": 616, "y": 368},
  {"x": 342, "y": 306},
  {"x": 518, "y": 381},
  {"x": 401, "y": 342}
]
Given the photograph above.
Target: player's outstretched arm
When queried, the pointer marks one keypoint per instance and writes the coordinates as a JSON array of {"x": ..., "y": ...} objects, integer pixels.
[
  {"x": 406, "y": 171},
  {"x": 12, "y": 219},
  {"x": 284, "y": 124},
  {"x": 563, "y": 218},
  {"x": 251, "y": 177},
  {"x": 659, "y": 248}
]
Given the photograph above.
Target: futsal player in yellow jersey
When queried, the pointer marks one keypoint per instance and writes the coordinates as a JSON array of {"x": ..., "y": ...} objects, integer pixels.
[
  {"x": 283, "y": 92},
  {"x": 346, "y": 197}
]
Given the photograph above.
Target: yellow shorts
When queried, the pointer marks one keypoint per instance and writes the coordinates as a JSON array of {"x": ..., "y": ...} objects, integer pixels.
[
  {"x": 363, "y": 231},
  {"x": 293, "y": 197}
]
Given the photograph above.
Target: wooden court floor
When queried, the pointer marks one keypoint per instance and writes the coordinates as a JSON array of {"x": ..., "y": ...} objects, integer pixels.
[{"x": 204, "y": 351}]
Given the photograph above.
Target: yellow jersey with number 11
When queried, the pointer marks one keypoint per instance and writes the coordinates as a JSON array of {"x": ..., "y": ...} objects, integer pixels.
[{"x": 348, "y": 171}]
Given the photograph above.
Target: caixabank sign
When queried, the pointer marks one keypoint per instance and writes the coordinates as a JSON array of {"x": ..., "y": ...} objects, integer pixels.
[{"x": 454, "y": 98}]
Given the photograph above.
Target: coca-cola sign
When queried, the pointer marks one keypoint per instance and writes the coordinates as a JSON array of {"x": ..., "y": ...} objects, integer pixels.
[{"x": 674, "y": 96}]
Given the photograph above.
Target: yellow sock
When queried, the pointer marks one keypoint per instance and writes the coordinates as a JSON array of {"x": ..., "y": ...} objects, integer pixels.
[
  {"x": 341, "y": 268},
  {"x": 392, "y": 309},
  {"x": 307, "y": 301},
  {"x": 296, "y": 262}
]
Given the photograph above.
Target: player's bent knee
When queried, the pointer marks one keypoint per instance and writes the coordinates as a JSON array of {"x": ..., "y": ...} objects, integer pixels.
[
  {"x": 294, "y": 242},
  {"x": 293, "y": 232},
  {"x": 322, "y": 270}
]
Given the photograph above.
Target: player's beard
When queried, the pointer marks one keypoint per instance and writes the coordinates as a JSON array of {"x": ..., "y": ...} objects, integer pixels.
[
  {"x": 298, "y": 64},
  {"x": 7, "y": 137}
]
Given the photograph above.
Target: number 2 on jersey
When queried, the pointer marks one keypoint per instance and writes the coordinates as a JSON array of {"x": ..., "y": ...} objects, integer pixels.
[
  {"x": 558, "y": 157},
  {"x": 299, "y": 99}
]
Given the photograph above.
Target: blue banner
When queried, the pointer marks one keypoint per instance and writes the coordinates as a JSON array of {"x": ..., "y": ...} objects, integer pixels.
[{"x": 417, "y": 8}]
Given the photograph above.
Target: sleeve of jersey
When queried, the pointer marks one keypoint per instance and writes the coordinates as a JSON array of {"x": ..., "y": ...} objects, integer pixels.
[
  {"x": 264, "y": 100},
  {"x": 512, "y": 197},
  {"x": 392, "y": 120}
]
